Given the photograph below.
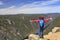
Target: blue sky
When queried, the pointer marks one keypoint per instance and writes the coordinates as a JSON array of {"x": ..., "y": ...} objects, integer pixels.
[{"x": 29, "y": 6}]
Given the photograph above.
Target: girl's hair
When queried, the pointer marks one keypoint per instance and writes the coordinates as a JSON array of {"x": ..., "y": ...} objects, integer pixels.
[{"x": 41, "y": 18}]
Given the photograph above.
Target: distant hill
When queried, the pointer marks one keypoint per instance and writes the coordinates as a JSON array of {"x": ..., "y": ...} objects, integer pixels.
[{"x": 53, "y": 15}]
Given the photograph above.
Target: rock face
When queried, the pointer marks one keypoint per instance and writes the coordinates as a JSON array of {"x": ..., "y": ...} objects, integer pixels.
[
  {"x": 55, "y": 29},
  {"x": 54, "y": 36},
  {"x": 33, "y": 37},
  {"x": 50, "y": 36}
]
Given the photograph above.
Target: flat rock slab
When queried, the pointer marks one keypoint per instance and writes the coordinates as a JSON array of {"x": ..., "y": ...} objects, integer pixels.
[{"x": 54, "y": 36}]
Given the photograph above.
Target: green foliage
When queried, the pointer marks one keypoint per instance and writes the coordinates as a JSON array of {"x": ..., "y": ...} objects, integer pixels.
[
  {"x": 55, "y": 23},
  {"x": 20, "y": 26}
]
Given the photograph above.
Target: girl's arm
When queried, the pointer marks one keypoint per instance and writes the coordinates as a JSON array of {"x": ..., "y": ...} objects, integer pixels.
[
  {"x": 34, "y": 21},
  {"x": 47, "y": 20}
]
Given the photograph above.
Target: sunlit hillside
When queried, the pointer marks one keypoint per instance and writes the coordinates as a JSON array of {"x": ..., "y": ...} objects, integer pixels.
[{"x": 16, "y": 27}]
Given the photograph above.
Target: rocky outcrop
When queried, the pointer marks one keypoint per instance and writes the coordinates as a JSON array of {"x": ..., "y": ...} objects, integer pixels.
[{"x": 50, "y": 36}]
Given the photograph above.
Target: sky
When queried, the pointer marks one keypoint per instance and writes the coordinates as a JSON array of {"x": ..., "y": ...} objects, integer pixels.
[{"x": 29, "y": 6}]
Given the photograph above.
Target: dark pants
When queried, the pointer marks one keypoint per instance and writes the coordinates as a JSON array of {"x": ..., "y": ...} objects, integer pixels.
[{"x": 41, "y": 31}]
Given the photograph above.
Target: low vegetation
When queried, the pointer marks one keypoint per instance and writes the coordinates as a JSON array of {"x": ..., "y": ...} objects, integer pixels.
[{"x": 16, "y": 27}]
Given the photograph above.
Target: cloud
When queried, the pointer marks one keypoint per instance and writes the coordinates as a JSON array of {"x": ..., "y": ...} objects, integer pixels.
[
  {"x": 46, "y": 9},
  {"x": 30, "y": 10},
  {"x": 10, "y": 10},
  {"x": 41, "y": 3},
  {"x": 35, "y": 7},
  {"x": 49, "y": 2},
  {"x": 1, "y": 3},
  {"x": 12, "y": 7}
]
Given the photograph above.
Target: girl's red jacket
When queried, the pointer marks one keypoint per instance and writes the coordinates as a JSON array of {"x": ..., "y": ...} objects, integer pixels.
[{"x": 45, "y": 20}]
